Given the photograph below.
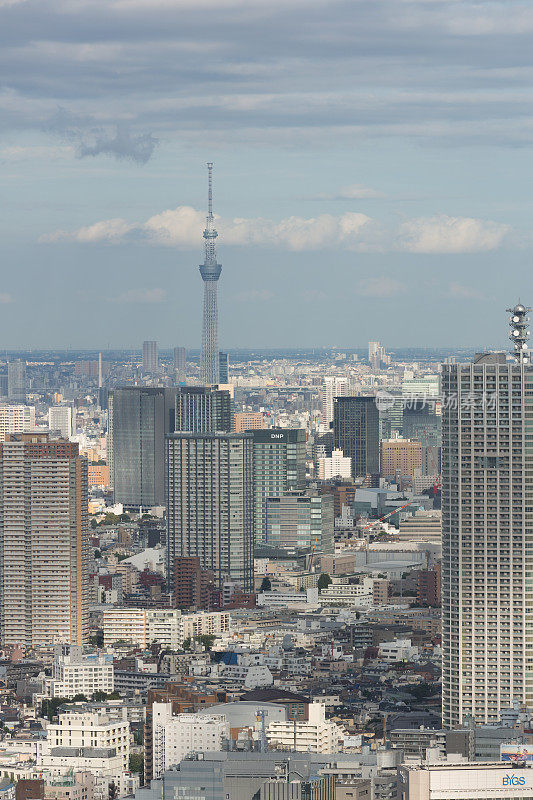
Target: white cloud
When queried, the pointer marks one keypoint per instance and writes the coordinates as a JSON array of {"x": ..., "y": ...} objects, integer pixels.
[
  {"x": 5, "y": 298},
  {"x": 443, "y": 234},
  {"x": 182, "y": 228},
  {"x": 141, "y": 296},
  {"x": 354, "y": 192},
  {"x": 380, "y": 287}
]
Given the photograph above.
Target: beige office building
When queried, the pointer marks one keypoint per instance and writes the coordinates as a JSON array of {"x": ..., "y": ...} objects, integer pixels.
[
  {"x": 16, "y": 418},
  {"x": 249, "y": 421},
  {"x": 402, "y": 456},
  {"x": 44, "y": 541}
]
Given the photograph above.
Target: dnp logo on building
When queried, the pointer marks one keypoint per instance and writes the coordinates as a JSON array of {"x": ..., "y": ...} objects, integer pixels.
[{"x": 513, "y": 780}]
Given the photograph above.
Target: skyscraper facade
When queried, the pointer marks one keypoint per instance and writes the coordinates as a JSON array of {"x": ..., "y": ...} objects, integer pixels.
[
  {"x": 301, "y": 520},
  {"x": 203, "y": 409},
  {"x": 210, "y": 271},
  {"x": 44, "y": 541},
  {"x": 150, "y": 357},
  {"x": 139, "y": 418},
  {"x": 279, "y": 465},
  {"x": 487, "y": 538},
  {"x": 356, "y": 433},
  {"x": 16, "y": 380},
  {"x": 210, "y": 508},
  {"x": 223, "y": 368}
]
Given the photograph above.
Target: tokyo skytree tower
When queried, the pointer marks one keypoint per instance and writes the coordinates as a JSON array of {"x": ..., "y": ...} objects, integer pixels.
[{"x": 210, "y": 271}]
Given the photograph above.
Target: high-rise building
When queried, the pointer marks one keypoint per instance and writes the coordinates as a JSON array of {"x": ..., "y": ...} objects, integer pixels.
[
  {"x": 301, "y": 521},
  {"x": 16, "y": 380},
  {"x": 62, "y": 419},
  {"x": 401, "y": 456},
  {"x": 335, "y": 466},
  {"x": 223, "y": 362},
  {"x": 180, "y": 359},
  {"x": 193, "y": 586},
  {"x": 139, "y": 418},
  {"x": 16, "y": 418},
  {"x": 210, "y": 508},
  {"x": 203, "y": 409},
  {"x": 44, "y": 541},
  {"x": 210, "y": 271},
  {"x": 279, "y": 465},
  {"x": 332, "y": 386},
  {"x": 249, "y": 421},
  {"x": 356, "y": 433},
  {"x": 150, "y": 358},
  {"x": 487, "y": 533}
]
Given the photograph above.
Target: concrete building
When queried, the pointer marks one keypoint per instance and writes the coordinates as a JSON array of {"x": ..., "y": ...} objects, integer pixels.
[
  {"x": 98, "y": 475},
  {"x": 63, "y": 420},
  {"x": 487, "y": 525},
  {"x": 465, "y": 782},
  {"x": 150, "y": 357},
  {"x": 249, "y": 421},
  {"x": 336, "y": 466},
  {"x": 332, "y": 386},
  {"x": 169, "y": 627},
  {"x": 89, "y": 728},
  {"x": 279, "y": 465},
  {"x": 193, "y": 586},
  {"x": 356, "y": 433},
  {"x": 424, "y": 526},
  {"x": 301, "y": 520},
  {"x": 210, "y": 504},
  {"x": 139, "y": 419},
  {"x": 16, "y": 419},
  {"x": 401, "y": 456},
  {"x": 203, "y": 409},
  {"x": 175, "y": 736},
  {"x": 74, "y": 672},
  {"x": 44, "y": 540},
  {"x": 314, "y": 735}
]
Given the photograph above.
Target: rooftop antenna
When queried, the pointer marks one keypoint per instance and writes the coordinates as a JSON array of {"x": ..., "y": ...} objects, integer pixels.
[{"x": 518, "y": 334}]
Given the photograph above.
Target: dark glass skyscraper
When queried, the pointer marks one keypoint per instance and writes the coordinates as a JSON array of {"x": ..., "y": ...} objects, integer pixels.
[
  {"x": 356, "y": 433},
  {"x": 139, "y": 418},
  {"x": 203, "y": 409}
]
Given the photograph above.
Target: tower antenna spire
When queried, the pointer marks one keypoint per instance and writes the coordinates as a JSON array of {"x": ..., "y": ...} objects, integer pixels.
[
  {"x": 518, "y": 334},
  {"x": 210, "y": 271}
]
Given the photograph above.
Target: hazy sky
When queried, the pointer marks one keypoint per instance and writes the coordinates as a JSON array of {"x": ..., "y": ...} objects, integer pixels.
[{"x": 373, "y": 170}]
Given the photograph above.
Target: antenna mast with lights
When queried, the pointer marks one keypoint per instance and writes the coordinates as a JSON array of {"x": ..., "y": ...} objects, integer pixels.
[{"x": 518, "y": 334}]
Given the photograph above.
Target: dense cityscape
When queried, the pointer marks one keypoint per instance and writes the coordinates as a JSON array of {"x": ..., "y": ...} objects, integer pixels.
[{"x": 266, "y": 400}]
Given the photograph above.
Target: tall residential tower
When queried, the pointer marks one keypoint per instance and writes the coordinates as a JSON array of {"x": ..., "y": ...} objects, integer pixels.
[
  {"x": 210, "y": 271},
  {"x": 487, "y": 533}
]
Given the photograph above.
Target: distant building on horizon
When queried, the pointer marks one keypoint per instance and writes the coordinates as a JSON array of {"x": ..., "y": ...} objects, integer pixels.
[
  {"x": 62, "y": 419},
  {"x": 16, "y": 380},
  {"x": 150, "y": 357}
]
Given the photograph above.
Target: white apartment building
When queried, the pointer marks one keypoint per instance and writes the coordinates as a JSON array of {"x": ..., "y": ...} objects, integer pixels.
[
  {"x": 314, "y": 735},
  {"x": 347, "y": 594},
  {"x": 281, "y": 599},
  {"x": 62, "y": 419},
  {"x": 16, "y": 419},
  {"x": 74, "y": 672},
  {"x": 398, "y": 650},
  {"x": 333, "y": 386},
  {"x": 336, "y": 465},
  {"x": 174, "y": 737},
  {"x": 169, "y": 627},
  {"x": 85, "y": 728}
]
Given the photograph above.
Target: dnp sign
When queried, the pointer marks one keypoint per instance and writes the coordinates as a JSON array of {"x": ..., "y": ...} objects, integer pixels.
[{"x": 513, "y": 780}]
